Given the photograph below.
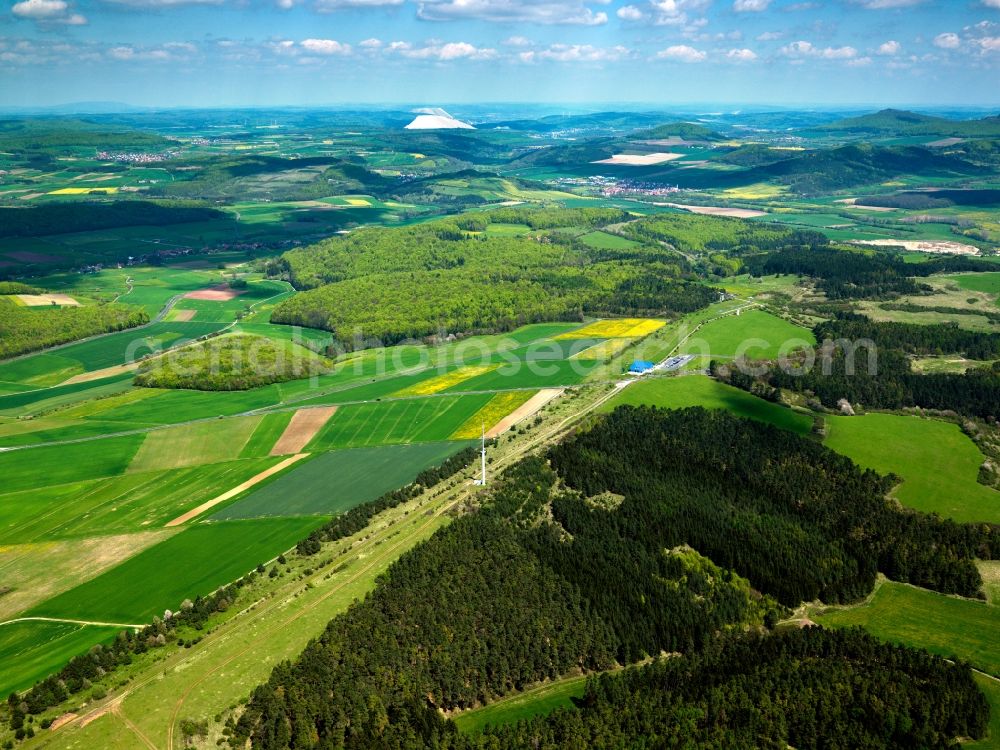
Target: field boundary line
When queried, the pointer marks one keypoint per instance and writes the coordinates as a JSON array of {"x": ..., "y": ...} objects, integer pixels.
[
  {"x": 228, "y": 495},
  {"x": 129, "y": 625}
]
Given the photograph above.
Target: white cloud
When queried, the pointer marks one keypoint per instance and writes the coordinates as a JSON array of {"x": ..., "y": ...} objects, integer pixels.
[
  {"x": 371, "y": 44},
  {"x": 770, "y": 36},
  {"x": 750, "y": 6},
  {"x": 802, "y": 49},
  {"x": 630, "y": 13},
  {"x": 741, "y": 55},
  {"x": 988, "y": 43},
  {"x": 947, "y": 40},
  {"x": 441, "y": 52},
  {"x": 157, "y": 4},
  {"x": 570, "y": 53},
  {"x": 48, "y": 12},
  {"x": 859, "y": 62},
  {"x": 517, "y": 41},
  {"x": 570, "y": 12},
  {"x": 325, "y": 47},
  {"x": 992, "y": 4},
  {"x": 682, "y": 53},
  {"x": 892, "y": 47}
]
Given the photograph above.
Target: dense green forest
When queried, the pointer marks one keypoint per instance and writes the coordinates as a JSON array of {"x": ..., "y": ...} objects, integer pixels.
[
  {"x": 63, "y": 218},
  {"x": 582, "y": 562},
  {"x": 231, "y": 363},
  {"x": 901, "y": 122},
  {"x": 48, "y": 137},
  {"x": 26, "y": 329},
  {"x": 867, "y": 363},
  {"x": 454, "y": 275},
  {"x": 805, "y": 689},
  {"x": 858, "y": 274}
]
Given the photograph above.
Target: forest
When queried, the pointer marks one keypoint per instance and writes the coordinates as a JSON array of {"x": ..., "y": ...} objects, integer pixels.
[
  {"x": 23, "y": 329},
  {"x": 395, "y": 284},
  {"x": 858, "y": 274},
  {"x": 63, "y": 218},
  {"x": 867, "y": 363},
  {"x": 231, "y": 363},
  {"x": 652, "y": 531}
]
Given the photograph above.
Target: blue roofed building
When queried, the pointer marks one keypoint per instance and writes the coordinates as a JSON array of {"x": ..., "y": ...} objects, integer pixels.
[{"x": 641, "y": 366}]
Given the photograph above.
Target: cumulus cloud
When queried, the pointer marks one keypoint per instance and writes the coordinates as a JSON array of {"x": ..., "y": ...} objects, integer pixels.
[
  {"x": 750, "y": 6},
  {"x": 741, "y": 55},
  {"x": 517, "y": 41},
  {"x": 325, "y": 47},
  {"x": 371, "y": 44},
  {"x": 442, "y": 52},
  {"x": 630, "y": 13},
  {"x": 770, "y": 36},
  {"x": 569, "y": 12},
  {"x": 48, "y": 12},
  {"x": 947, "y": 40},
  {"x": 570, "y": 53},
  {"x": 992, "y": 4},
  {"x": 803, "y": 49},
  {"x": 892, "y": 47},
  {"x": 682, "y": 53}
]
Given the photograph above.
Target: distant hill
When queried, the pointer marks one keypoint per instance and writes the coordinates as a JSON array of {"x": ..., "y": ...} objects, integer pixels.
[
  {"x": 901, "y": 122},
  {"x": 688, "y": 131},
  {"x": 860, "y": 164}
]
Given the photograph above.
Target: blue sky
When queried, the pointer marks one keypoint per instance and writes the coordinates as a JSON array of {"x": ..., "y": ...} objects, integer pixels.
[{"x": 305, "y": 52}]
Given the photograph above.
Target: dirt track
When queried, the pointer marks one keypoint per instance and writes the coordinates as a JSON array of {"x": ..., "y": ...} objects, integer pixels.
[{"x": 526, "y": 410}]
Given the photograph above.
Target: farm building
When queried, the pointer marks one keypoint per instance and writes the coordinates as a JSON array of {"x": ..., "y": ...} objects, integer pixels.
[{"x": 641, "y": 366}]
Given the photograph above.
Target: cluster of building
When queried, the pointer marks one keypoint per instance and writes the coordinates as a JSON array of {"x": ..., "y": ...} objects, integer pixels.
[
  {"x": 617, "y": 187},
  {"x": 134, "y": 157}
]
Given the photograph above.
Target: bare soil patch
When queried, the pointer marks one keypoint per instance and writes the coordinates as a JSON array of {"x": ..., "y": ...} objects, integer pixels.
[
  {"x": 220, "y": 293},
  {"x": 183, "y": 315},
  {"x": 739, "y": 213},
  {"x": 528, "y": 409},
  {"x": 62, "y": 720},
  {"x": 639, "y": 160},
  {"x": 256, "y": 479},
  {"x": 303, "y": 428},
  {"x": 946, "y": 247}
]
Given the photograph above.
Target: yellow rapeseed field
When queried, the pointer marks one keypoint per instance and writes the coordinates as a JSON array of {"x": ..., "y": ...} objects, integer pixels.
[
  {"x": 496, "y": 409},
  {"x": 614, "y": 329},
  {"x": 445, "y": 381}
]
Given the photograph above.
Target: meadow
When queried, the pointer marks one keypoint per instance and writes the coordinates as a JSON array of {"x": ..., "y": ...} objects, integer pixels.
[
  {"x": 536, "y": 701},
  {"x": 334, "y": 482},
  {"x": 945, "y": 625},
  {"x": 699, "y": 390},
  {"x": 21, "y": 469},
  {"x": 938, "y": 463},
  {"x": 194, "y": 444},
  {"x": 754, "y": 334},
  {"x": 186, "y": 565}
]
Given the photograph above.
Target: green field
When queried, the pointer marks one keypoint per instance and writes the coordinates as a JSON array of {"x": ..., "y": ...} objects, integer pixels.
[
  {"x": 939, "y": 464},
  {"x": 605, "y": 241},
  {"x": 33, "y": 467},
  {"x": 266, "y": 434},
  {"x": 195, "y": 562},
  {"x": 945, "y": 625},
  {"x": 337, "y": 481},
  {"x": 754, "y": 334},
  {"x": 700, "y": 390},
  {"x": 411, "y": 420},
  {"x": 980, "y": 282},
  {"x": 194, "y": 444},
  {"x": 31, "y": 650},
  {"x": 538, "y": 701},
  {"x": 123, "y": 504}
]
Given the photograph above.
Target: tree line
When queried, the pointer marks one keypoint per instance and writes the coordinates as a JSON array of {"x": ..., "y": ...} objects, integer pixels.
[{"x": 26, "y": 329}]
